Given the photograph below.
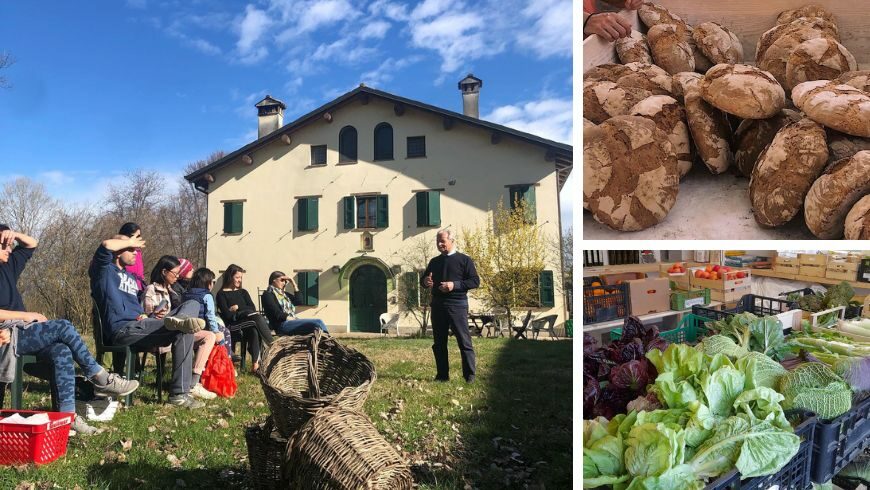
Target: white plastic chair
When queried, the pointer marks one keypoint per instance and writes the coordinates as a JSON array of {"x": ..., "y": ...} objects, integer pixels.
[{"x": 389, "y": 321}]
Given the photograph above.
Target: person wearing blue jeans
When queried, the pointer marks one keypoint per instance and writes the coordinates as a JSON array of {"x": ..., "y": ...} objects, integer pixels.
[
  {"x": 281, "y": 311},
  {"x": 30, "y": 333}
]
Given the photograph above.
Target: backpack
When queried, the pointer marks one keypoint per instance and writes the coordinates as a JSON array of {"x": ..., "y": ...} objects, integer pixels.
[{"x": 218, "y": 376}]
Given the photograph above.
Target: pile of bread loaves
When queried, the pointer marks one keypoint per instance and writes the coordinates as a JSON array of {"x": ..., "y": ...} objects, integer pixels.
[{"x": 797, "y": 123}]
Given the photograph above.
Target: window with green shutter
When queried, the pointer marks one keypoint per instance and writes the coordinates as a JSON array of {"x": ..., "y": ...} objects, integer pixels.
[
  {"x": 318, "y": 155},
  {"x": 383, "y": 220},
  {"x": 526, "y": 195},
  {"x": 348, "y": 204},
  {"x": 307, "y": 213},
  {"x": 429, "y": 208},
  {"x": 309, "y": 287},
  {"x": 546, "y": 291},
  {"x": 232, "y": 217}
]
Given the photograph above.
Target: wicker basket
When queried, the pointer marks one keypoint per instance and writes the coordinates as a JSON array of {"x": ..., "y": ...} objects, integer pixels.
[
  {"x": 305, "y": 373},
  {"x": 266, "y": 450},
  {"x": 341, "y": 449}
]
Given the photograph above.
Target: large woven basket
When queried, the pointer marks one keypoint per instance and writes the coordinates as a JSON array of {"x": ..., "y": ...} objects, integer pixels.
[
  {"x": 266, "y": 450},
  {"x": 305, "y": 373},
  {"x": 340, "y": 449}
]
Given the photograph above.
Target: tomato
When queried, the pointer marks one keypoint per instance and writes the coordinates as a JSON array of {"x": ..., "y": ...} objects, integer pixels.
[
  {"x": 716, "y": 268},
  {"x": 709, "y": 268},
  {"x": 698, "y": 273},
  {"x": 741, "y": 275},
  {"x": 726, "y": 269}
]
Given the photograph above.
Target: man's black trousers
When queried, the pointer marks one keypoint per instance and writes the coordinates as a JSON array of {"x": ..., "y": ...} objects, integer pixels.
[{"x": 455, "y": 318}]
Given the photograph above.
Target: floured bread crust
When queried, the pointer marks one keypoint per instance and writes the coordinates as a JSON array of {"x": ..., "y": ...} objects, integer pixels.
[{"x": 834, "y": 194}]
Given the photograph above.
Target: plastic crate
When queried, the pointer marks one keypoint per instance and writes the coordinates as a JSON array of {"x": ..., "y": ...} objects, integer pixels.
[
  {"x": 758, "y": 305},
  {"x": 611, "y": 304},
  {"x": 689, "y": 330},
  {"x": 40, "y": 444},
  {"x": 795, "y": 475},
  {"x": 569, "y": 328},
  {"x": 852, "y": 311},
  {"x": 683, "y": 300},
  {"x": 839, "y": 441}
]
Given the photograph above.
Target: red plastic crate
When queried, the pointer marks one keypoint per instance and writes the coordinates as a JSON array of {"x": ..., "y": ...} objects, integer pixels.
[{"x": 40, "y": 444}]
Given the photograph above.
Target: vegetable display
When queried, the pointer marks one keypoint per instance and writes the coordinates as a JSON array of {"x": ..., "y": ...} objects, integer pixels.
[
  {"x": 753, "y": 333},
  {"x": 836, "y": 295},
  {"x": 816, "y": 388}
]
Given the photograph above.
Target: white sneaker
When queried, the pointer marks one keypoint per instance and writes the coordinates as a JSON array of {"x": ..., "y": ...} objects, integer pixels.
[
  {"x": 99, "y": 410},
  {"x": 200, "y": 392}
]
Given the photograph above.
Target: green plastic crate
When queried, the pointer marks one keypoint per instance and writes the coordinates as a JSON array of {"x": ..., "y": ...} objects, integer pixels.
[
  {"x": 689, "y": 330},
  {"x": 569, "y": 327},
  {"x": 683, "y": 300}
]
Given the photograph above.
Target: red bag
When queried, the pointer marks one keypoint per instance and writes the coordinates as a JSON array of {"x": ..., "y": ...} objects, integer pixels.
[{"x": 219, "y": 376}]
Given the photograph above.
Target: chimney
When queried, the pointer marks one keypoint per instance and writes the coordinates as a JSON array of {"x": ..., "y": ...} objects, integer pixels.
[
  {"x": 270, "y": 115},
  {"x": 470, "y": 88}
]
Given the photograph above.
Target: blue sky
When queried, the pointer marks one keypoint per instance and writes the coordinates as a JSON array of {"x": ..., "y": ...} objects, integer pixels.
[{"x": 103, "y": 87}]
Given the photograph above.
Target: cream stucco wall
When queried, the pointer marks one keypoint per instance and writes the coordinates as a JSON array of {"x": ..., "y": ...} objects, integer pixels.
[{"x": 279, "y": 173}]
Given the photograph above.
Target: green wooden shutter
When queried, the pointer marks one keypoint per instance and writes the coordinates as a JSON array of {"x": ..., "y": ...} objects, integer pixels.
[
  {"x": 228, "y": 217},
  {"x": 307, "y": 214},
  {"x": 383, "y": 213},
  {"x": 232, "y": 217},
  {"x": 349, "y": 218},
  {"x": 529, "y": 198},
  {"x": 312, "y": 213},
  {"x": 422, "y": 209},
  {"x": 546, "y": 291},
  {"x": 412, "y": 288},
  {"x": 309, "y": 288},
  {"x": 434, "y": 208},
  {"x": 302, "y": 215}
]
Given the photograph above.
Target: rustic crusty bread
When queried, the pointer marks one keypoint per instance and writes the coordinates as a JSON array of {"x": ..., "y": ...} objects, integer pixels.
[
  {"x": 609, "y": 72},
  {"x": 775, "y": 58},
  {"x": 834, "y": 193},
  {"x": 630, "y": 176},
  {"x": 717, "y": 43},
  {"x": 603, "y": 100},
  {"x": 633, "y": 48},
  {"x": 858, "y": 220},
  {"x": 670, "y": 48},
  {"x": 859, "y": 79},
  {"x": 709, "y": 127},
  {"x": 670, "y": 117},
  {"x": 648, "y": 77},
  {"x": 771, "y": 35},
  {"x": 811, "y": 10},
  {"x": 786, "y": 170},
  {"x": 742, "y": 90},
  {"x": 837, "y": 106},
  {"x": 652, "y": 14},
  {"x": 753, "y": 135},
  {"x": 842, "y": 145},
  {"x": 817, "y": 59}
]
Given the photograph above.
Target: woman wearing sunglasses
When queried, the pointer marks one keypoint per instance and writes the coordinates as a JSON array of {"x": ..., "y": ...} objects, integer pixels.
[{"x": 281, "y": 311}]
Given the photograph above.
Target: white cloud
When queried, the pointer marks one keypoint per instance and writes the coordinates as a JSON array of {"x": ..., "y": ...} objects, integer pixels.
[
  {"x": 430, "y": 8},
  {"x": 324, "y": 13},
  {"x": 375, "y": 29},
  {"x": 386, "y": 71},
  {"x": 457, "y": 37},
  {"x": 391, "y": 10},
  {"x": 205, "y": 46},
  {"x": 137, "y": 4},
  {"x": 56, "y": 178},
  {"x": 550, "y": 35},
  {"x": 251, "y": 29},
  {"x": 549, "y": 118}
]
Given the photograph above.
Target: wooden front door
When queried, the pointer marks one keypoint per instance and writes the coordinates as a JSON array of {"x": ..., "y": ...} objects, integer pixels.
[{"x": 368, "y": 298}]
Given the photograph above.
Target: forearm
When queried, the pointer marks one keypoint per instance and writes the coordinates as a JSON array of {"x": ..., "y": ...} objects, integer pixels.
[
  {"x": 26, "y": 241},
  {"x": 6, "y": 315},
  {"x": 115, "y": 244}
]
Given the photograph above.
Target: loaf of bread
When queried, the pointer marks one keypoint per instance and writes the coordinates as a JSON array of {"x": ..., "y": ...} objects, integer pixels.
[
  {"x": 842, "y": 145},
  {"x": 858, "y": 220},
  {"x": 670, "y": 117},
  {"x": 786, "y": 170},
  {"x": 773, "y": 34},
  {"x": 775, "y": 58},
  {"x": 608, "y": 72},
  {"x": 859, "y": 79},
  {"x": 811, "y": 10},
  {"x": 834, "y": 193},
  {"x": 817, "y": 59},
  {"x": 603, "y": 100},
  {"x": 653, "y": 14},
  {"x": 753, "y": 136},
  {"x": 633, "y": 48},
  {"x": 630, "y": 176},
  {"x": 709, "y": 127},
  {"x": 742, "y": 90},
  {"x": 837, "y": 106},
  {"x": 648, "y": 77},
  {"x": 670, "y": 48},
  {"x": 717, "y": 43}
]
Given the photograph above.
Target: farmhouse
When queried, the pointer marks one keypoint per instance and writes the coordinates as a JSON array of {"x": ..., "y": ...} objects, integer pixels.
[{"x": 337, "y": 196}]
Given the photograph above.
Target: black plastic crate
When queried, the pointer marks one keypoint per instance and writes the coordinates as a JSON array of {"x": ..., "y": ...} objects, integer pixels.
[
  {"x": 840, "y": 441},
  {"x": 795, "y": 475},
  {"x": 758, "y": 305},
  {"x": 587, "y": 281},
  {"x": 611, "y": 304},
  {"x": 854, "y": 311}
]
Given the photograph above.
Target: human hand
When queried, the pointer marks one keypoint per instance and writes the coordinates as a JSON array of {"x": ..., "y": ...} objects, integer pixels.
[
  {"x": 34, "y": 317},
  {"x": 234, "y": 308},
  {"x": 608, "y": 25},
  {"x": 5, "y": 336},
  {"x": 136, "y": 241},
  {"x": 446, "y": 287},
  {"x": 7, "y": 237},
  {"x": 428, "y": 282},
  {"x": 632, "y": 4},
  {"x": 218, "y": 337}
]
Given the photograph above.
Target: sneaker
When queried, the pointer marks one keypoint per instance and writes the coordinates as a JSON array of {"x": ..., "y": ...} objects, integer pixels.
[
  {"x": 117, "y": 386},
  {"x": 80, "y": 427},
  {"x": 199, "y": 392},
  {"x": 186, "y": 401},
  {"x": 186, "y": 325}
]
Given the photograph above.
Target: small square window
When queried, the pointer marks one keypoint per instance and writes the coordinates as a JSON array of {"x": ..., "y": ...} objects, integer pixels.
[
  {"x": 416, "y": 146},
  {"x": 318, "y": 155}
]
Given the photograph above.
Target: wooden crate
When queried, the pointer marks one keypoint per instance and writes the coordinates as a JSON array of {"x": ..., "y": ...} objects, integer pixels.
[
  {"x": 813, "y": 259},
  {"x": 721, "y": 284},
  {"x": 729, "y": 295},
  {"x": 843, "y": 266},
  {"x": 842, "y": 276},
  {"x": 784, "y": 260},
  {"x": 813, "y": 270},
  {"x": 787, "y": 269}
]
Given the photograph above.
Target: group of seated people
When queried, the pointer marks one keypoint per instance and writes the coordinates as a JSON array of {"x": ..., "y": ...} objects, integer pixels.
[{"x": 176, "y": 310}]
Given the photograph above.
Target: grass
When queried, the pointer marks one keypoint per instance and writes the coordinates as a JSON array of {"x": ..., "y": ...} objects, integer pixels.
[{"x": 510, "y": 429}]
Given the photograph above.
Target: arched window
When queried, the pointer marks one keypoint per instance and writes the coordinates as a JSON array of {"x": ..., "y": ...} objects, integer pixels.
[
  {"x": 383, "y": 142},
  {"x": 347, "y": 144}
]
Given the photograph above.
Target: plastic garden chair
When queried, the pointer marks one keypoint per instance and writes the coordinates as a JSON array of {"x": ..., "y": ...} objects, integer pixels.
[{"x": 547, "y": 322}]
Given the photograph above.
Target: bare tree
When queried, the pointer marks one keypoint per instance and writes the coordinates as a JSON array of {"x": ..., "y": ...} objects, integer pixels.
[
  {"x": 137, "y": 197},
  {"x": 414, "y": 300},
  {"x": 6, "y": 60},
  {"x": 26, "y": 206}
]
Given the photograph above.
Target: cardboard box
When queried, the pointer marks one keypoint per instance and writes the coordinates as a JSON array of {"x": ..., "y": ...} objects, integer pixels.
[
  {"x": 613, "y": 279},
  {"x": 813, "y": 259},
  {"x": 651, "y": 295},
  {"x": 813, "y": 270},
  {"x": 793, "y": 269},
  {"x": 729, "y": 281},
  {"x": 729, "y": 295},
  {"x": 681, "y": 281}
]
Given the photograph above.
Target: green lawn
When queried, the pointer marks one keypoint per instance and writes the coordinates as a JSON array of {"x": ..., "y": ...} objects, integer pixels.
[{"x": 510, "y": 429}]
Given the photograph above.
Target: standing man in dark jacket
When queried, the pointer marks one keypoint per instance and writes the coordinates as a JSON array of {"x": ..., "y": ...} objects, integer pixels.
[{"x": 450, "y": 276}]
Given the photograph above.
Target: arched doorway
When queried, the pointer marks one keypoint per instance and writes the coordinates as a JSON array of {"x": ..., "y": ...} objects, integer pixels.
[{"x": 368, "y": 298}]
